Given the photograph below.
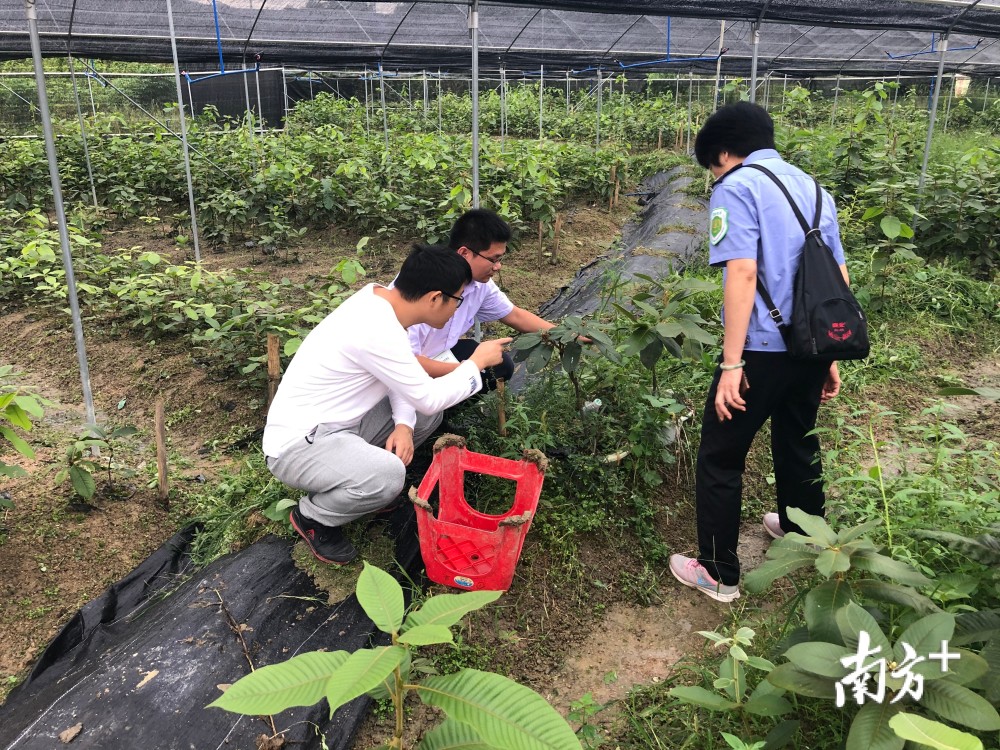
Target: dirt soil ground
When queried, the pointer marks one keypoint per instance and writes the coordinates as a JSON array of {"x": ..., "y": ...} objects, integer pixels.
[{"x": 56, "y": 555}]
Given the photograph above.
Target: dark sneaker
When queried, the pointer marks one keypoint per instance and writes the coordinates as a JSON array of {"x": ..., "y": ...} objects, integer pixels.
[{"x": 327, "y": 543}]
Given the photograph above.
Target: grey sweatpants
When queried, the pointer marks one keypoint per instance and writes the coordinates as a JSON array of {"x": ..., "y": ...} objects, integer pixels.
[{"x": 348, "y": 472}]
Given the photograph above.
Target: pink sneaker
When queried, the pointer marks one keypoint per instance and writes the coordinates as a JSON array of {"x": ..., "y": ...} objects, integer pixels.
[
  {"x": 691, "y": 573},
  {"x": 772, "y": 525}
]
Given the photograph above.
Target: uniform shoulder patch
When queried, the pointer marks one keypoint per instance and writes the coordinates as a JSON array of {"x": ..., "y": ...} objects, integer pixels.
[{"x": 718, "y": 225}]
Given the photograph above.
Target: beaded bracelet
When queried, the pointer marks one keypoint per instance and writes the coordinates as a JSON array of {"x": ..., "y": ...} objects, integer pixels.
[{"x": 739, "y": 365}]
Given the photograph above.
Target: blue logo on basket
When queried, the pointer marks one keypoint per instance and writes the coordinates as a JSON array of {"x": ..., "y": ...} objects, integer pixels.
[{"x": 466, "y": 583}]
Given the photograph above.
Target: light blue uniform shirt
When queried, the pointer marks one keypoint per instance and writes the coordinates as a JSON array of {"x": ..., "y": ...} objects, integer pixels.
[{"x": 751, "y": 219}]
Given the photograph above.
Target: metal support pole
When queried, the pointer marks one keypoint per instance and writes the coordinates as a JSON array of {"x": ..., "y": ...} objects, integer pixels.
[
  {"x": 90, "y": 88},
  {"x": 895, "y": 94},
  {"x": 600, "y": 87},
  {"x": 836, "y": 94},
  {"x": 83, "y": 131},
  {"x": 503, "y": 108},
  {"x": 987, "y": 94},
  {"x": 784, "y": 90},
  {"x": 425, "y": 96},
  {"x": 690, "y": 91},
  {"x": 947, "y": 109},
  {"x": 755, "y": 35},
  {"x": 718, "y": 65},
  {"x": 249, "y": 107},
  {"x": 541, "y": 101},
  {"x": 933, "y": 114},
  {"x": 67, "y": 258},
  {"x": 385, "y": 115},
  {"x": 622, "y": 119},
  {"x": 284, "y": 97},
  {"x": 184, "y": 141},
  {"x": 260, "y": 109},
  {"x": 368, "y": 124},
  {"x": 474, "y": 30},
  {"x": 567, "y": 92},
  {"x": 440, "y": 102}
]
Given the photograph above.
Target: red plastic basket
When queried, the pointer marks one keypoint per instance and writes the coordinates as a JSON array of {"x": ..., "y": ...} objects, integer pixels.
[{"x": 462, "y": 547}]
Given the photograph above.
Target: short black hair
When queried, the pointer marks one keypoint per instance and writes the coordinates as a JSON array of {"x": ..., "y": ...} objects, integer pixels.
[
  {"x": 740, "y": 129},
  {"x": 477, "y": 230},
  {"x": 432, "y": 268}
]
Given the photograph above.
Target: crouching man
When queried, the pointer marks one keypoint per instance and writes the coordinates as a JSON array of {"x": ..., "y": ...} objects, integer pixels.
[{"x": 355, "y": 402}]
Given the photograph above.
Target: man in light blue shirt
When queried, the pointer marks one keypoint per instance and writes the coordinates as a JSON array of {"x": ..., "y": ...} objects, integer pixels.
[{"x": 753, "y": 233}]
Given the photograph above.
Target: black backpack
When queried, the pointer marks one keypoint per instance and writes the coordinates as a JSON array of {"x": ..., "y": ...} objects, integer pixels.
[{"x": 827, "y": 322}]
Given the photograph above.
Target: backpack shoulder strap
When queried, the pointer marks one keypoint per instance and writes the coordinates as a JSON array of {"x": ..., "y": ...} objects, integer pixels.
[{"x": 798, "y": 214}]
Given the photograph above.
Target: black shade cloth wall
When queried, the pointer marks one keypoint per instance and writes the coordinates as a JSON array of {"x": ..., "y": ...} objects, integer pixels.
[{"x": 808, "y": 37}]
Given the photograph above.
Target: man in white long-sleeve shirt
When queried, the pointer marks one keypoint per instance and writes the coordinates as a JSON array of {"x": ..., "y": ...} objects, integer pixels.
[{"x": 355, "y": 401}]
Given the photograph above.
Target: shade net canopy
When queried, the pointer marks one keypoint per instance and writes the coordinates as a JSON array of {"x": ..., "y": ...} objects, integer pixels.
[{"x": 836, "y": 36}]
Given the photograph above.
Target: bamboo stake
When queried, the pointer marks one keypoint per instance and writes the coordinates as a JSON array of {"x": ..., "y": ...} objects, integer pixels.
[
  {"x": 614, "y": 179},
  {"x": 501, "y": 409},
  {"x": 555, "y": 247},
  {"x": 273, "y": 367},
  {"x": 162, "y": 493}
]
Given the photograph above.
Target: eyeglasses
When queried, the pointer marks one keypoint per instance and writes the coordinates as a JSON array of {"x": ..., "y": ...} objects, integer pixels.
[
  {"x": 492, "y": 261},
  {"x": 458, "y": 300}
]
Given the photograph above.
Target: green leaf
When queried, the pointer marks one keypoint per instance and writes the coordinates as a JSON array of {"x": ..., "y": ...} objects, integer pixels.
[
  {"x": 969, "y": 668},
  {"x": 767, "y": 705},
  {"x": 699, "y": 696},
  {"x": 891, "y": 226},
  {"x": 448, "y": 609},
  {"x": 893, "y": 593},
  {"x": 385, "y": 689},
  {"x": 853, "y": 620},
  {"x": 829, "y": 562},
  {"x": 894, "y": 570},
  {"x": 19, "y": 445},
  {"x": 959, "y": 704},
  {"x": 83, "y": 483},
  {"x": 538, "y": 358},
  {"x": 934, "y": 734},
  {"x": 925, "y": 636},
  {"x": 792, "y": 559},
  {"x": 870, "y": 729},
  {"x": 17, "y": 416},
  {"x": 453, "y": 735},
  {"x": 425, "y": 635},
  {"x": 364, "y": 670},
  {"x": 794, "y": 680},
  {"x": 381, "y": 597},
  {"x": 300, "y": 681},
  {"x": 873, "y": 212},
  {"x": 279, "y": 510},
  {"x": 821, "y": 605},
  {"x": 571, "y": 356},
  {"x": 504, "y": 713},
  {"x": 814, "y": 526},
  {"x": 291, "y": 346},
  {"x": 820, "y": 658},
  {"x": 30, "y": 405}
]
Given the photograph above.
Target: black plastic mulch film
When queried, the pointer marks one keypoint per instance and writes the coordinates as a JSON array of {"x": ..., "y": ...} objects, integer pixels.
[{"x": 798, "y": 38}]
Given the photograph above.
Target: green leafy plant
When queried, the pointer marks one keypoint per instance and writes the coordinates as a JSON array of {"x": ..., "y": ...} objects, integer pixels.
[
  {"x": 822, "y": 669},
  {"x": 17, "y": 408},
  {"x": 582, "y": 711},
  {"x": 83, "y": 460},
  {"x": 734, "y": 691},
  {"x": 484, "y": 710}
]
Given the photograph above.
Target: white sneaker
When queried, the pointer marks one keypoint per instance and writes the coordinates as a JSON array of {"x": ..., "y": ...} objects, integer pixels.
[{"x": 772, "y": 525}]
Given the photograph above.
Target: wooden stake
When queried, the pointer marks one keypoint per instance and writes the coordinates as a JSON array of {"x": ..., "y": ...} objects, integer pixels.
[
  {"x": 273, "y": 367},
  {"x": 614, "y": 179},
  {"x": 617, "y": 185},
  {"x": 541, "y": 247},
  {"x": 501, "y": 409},
  {"x": 659, "y": 139},
  {"x": 161, "y": 455},
  {"x": 555, "y": 247}
]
